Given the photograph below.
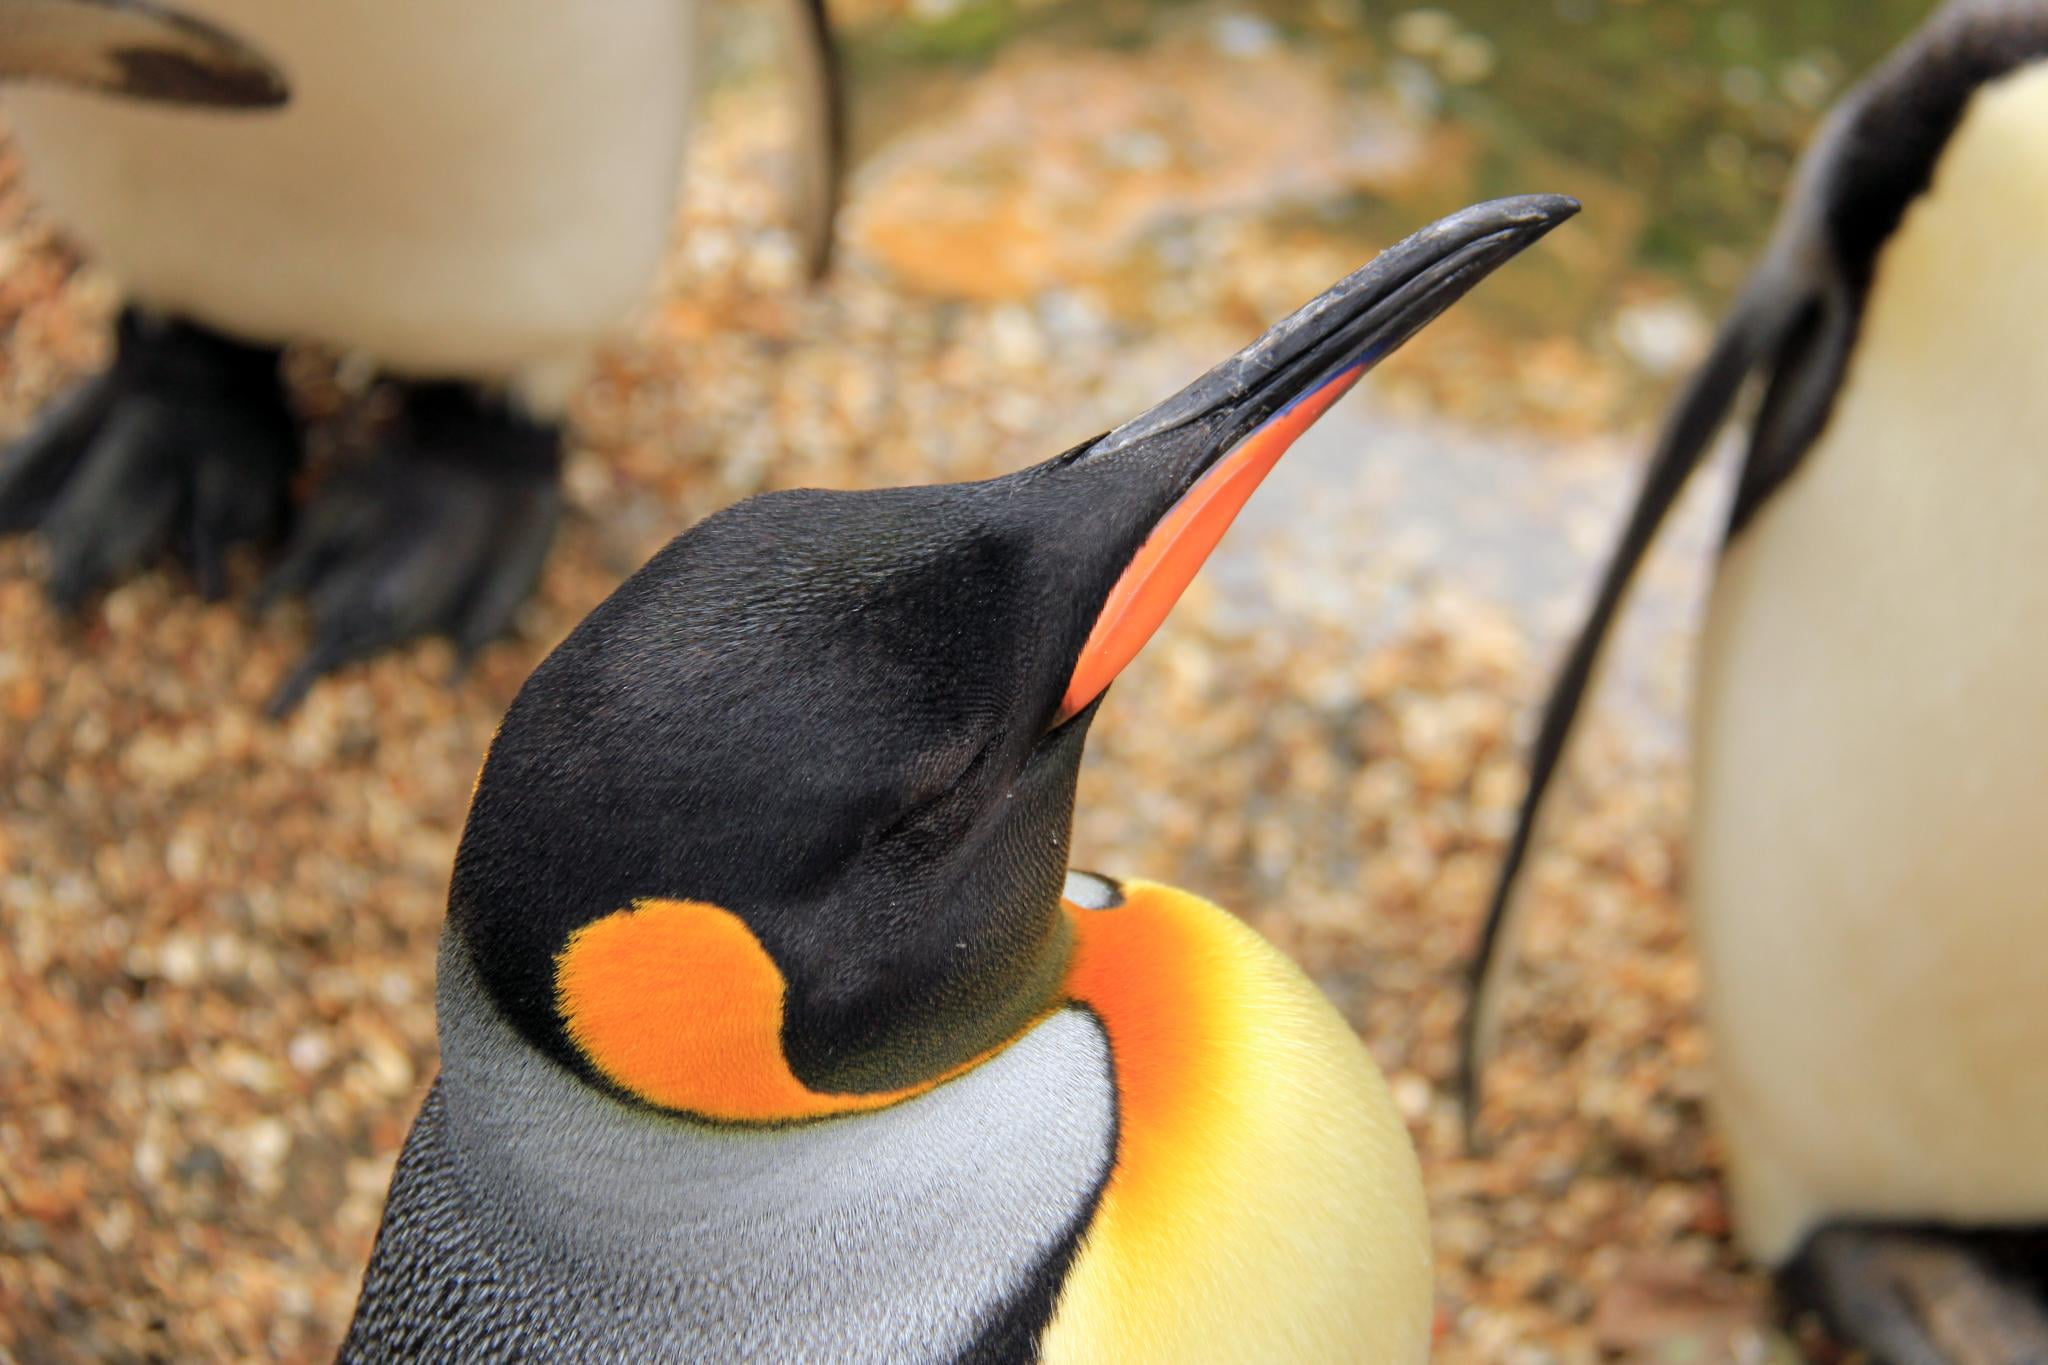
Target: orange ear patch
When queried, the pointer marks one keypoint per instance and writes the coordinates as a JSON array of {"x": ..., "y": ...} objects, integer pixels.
[{"x": 678, "y": 1003}]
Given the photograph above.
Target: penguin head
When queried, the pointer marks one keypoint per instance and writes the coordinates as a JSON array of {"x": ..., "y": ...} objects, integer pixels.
[{"x": 780, "y": 829}]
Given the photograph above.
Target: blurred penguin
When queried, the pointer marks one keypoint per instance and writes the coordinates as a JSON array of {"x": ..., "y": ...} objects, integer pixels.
[
  {"x": 470, "y": 193},
  {"x": 1867, "y": 871}
]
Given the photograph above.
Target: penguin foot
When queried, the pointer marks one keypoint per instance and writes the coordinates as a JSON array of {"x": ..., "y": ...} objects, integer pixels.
[
  {"x": 442, "y": 531},
  {"x": 1911, "y": 1296},
  {"x": 185, "y": 444}
]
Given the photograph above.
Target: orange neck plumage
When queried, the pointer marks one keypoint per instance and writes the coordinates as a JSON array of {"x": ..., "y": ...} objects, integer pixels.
[{"x": 707, "y": 1041}]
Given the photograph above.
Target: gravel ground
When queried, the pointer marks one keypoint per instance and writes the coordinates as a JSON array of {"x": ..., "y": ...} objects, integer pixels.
[{"x": 218, "y": 933}]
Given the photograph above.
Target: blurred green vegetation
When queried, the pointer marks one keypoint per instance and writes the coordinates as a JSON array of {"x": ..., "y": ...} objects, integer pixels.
[
  {"x": 1693, "y": 109},
  {"x": 1700, "y": 107}
]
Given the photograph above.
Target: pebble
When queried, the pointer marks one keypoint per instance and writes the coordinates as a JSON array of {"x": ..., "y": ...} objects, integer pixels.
[
  {"x": 1424, "y": 32},
  {"x": 1244, "y": 35},
  {"x": 1664, "y": 336}
]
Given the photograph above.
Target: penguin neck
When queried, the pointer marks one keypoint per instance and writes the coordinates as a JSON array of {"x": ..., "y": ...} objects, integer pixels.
[
  {"x": 918, "y": 965},
  {"x": 898, "y": 955},
  {"x": 905, "y": 1233}
]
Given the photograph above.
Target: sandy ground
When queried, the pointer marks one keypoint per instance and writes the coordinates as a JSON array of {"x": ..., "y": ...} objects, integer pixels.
[{"x": 217, "y": 937}]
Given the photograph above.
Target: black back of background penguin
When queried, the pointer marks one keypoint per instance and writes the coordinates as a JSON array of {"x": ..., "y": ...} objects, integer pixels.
[{"x": 1873, "y": 161}]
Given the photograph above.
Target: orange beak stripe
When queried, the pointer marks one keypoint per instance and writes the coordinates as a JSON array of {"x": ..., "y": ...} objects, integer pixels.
[{"x": 1182, "y": 541}]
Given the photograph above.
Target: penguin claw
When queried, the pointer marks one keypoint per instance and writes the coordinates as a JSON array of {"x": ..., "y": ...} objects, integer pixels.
[
  {"x": 35, "y": 468},
  {"x": 184, "y": 445},
  {"x": 1910, "y": 1297},
  {"x": 444, "y": 531}
]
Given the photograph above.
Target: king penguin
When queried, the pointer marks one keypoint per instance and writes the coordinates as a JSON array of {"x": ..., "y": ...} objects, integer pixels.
[
  {"x": 470, "y": 193},
  {"x": 774, "y": 1025},
  {"x": 1866, "y": 874}
]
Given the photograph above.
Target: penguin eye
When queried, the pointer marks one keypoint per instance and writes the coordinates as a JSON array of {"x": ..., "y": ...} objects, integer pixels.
[{"x": 943, "y": 774}]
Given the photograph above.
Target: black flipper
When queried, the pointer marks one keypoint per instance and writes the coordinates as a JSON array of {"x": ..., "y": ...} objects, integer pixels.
[
  {"x": 819, "y": 85},
  {"x": 135, "y": 49},
  {"x": 1748, "y": 338},
  {"x": 1925, "y": 1296},
  {"x": 442, "y": 531},
  {"x": 185, "y": 444}
]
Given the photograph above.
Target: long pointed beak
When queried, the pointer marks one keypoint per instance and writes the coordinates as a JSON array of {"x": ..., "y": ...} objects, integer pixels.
[
  {"x": 138, "y": 49},
  {"x": 1233, "y": 424}
]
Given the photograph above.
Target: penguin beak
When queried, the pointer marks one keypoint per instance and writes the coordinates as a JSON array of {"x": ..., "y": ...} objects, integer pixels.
[
  {"x": 1230, "y": 427},
  {"x": 137, "y": 49}
]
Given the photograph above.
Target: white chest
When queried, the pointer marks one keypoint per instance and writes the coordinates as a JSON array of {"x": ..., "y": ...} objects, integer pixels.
[
  {"x": 458, "y": 186},
  {"x": 896, "y": 1235}
]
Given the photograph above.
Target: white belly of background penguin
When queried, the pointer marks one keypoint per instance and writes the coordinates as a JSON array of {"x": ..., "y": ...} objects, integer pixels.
[
  {"x": 1869, "y": 867},
  {"x": 1867, "y": 870},
  {"x": 467, "y": 189},
  {"x": 470, "y": 193}
]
